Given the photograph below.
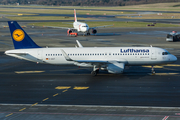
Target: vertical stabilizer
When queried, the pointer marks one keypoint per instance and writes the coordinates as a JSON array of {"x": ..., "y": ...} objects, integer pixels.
[
  {"x": 75, "y": 19},
  {"x": 20, "y": 38}
]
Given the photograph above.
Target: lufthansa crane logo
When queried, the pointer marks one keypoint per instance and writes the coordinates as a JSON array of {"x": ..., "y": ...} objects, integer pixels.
[{"x": 18, "y": 35}]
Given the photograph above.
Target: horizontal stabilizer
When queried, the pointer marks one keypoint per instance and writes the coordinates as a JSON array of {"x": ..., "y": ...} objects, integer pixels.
[{"x": 16, "y": 53}]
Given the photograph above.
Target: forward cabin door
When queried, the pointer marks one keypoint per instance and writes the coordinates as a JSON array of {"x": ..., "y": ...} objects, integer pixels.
[{"x": 153, "y": 54}]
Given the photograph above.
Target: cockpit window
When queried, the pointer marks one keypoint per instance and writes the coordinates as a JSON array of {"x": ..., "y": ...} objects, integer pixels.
[
  {"x": 84, "y": 26},
  {"x": 165, "y": 53}
]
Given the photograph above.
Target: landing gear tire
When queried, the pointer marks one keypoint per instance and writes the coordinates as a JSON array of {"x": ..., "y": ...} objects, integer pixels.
[
  {"x": 94, "y": 73},
  {"x": 153, "y": 72},
  {"x": 97, "y": 71}
]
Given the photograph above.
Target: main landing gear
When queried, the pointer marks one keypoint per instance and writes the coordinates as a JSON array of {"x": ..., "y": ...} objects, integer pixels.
[
  {"x": 84, "y": 34},
  {"x": 152, "y": 70},
  {"x": 95, "y": 71}
]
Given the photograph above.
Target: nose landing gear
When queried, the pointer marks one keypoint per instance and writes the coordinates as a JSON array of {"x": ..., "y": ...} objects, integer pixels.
[
  {"x": 95, "y": 71},
  {"x": 152, "y": 70}
]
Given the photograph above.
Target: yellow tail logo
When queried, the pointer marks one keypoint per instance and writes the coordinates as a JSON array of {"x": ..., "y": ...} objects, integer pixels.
[{"x": 18, "y": 35}]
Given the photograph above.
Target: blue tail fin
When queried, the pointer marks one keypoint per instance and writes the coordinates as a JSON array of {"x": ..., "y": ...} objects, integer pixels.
[{"x": 20, "y": 38}]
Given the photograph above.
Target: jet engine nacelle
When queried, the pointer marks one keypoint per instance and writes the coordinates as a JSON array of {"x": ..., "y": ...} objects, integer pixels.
[
  {"x": 94, "y": 31},
  {"x": 69, "y": 31},
  {"x": 115, "y": 68}
]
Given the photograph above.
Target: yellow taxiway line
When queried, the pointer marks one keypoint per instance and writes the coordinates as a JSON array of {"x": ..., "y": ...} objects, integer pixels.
[{"x": 80, "y": 88}]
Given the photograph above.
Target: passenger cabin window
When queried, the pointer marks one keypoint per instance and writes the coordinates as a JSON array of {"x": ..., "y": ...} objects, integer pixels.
[{"x": 85, "y": 26}]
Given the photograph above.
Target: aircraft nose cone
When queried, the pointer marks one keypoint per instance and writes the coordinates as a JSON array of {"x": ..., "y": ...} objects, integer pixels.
[{"x": 174, "y": 58}]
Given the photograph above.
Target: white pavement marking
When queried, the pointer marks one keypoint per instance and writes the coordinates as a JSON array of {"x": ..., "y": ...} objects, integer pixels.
[
  {"x": 91, "y": 109},
  {"x": 34, "y": 108},
  {"x": 16, "y": 108},
  {"x": 178, "y": 108},
  {"x": 52, "y": 108},
  {"x": 159, "y": 111},
  {"x": 131, "y": 110},
  {"x": 110, "y": 110},
  {"x": 71, "y": 109}
]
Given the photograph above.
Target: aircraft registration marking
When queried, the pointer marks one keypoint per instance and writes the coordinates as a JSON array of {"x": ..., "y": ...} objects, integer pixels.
[{"x": 50, "y": 58}]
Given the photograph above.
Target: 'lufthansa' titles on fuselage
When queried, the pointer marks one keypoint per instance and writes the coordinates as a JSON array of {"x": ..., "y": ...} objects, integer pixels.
[{"x": 134, "y": 50}]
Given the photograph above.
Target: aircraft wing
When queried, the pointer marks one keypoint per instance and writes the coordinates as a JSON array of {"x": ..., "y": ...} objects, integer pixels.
[
  {"x": 100, "y": 26},
  {"x": 92, "y": 61},
  {"x": 114, "y": 66},
  {"x": 59, "y": 27}
]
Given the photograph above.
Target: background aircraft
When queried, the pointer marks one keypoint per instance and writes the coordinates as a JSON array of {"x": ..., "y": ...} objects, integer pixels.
[
  {"x": 173, "y": 36},
  {"x": 80, "y": 27}
]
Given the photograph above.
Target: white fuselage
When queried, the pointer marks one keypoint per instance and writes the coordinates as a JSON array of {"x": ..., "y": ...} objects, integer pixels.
[
  {"x": 81, "y": 27},
  {"x": 126, "y": 55}
]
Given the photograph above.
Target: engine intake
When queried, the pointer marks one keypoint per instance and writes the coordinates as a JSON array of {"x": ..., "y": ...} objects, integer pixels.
[
  {"x": 69, "y": 31},
  {"x": 94, "y": 31},
  {"x": 115, "y": 68}
]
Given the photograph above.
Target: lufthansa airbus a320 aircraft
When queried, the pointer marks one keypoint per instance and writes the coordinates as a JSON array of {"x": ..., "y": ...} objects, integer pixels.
[{"x": 112, "y": 59}]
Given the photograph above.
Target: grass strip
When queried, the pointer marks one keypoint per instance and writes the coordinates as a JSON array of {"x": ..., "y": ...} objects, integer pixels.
[{"x": 115, "y": 24}]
